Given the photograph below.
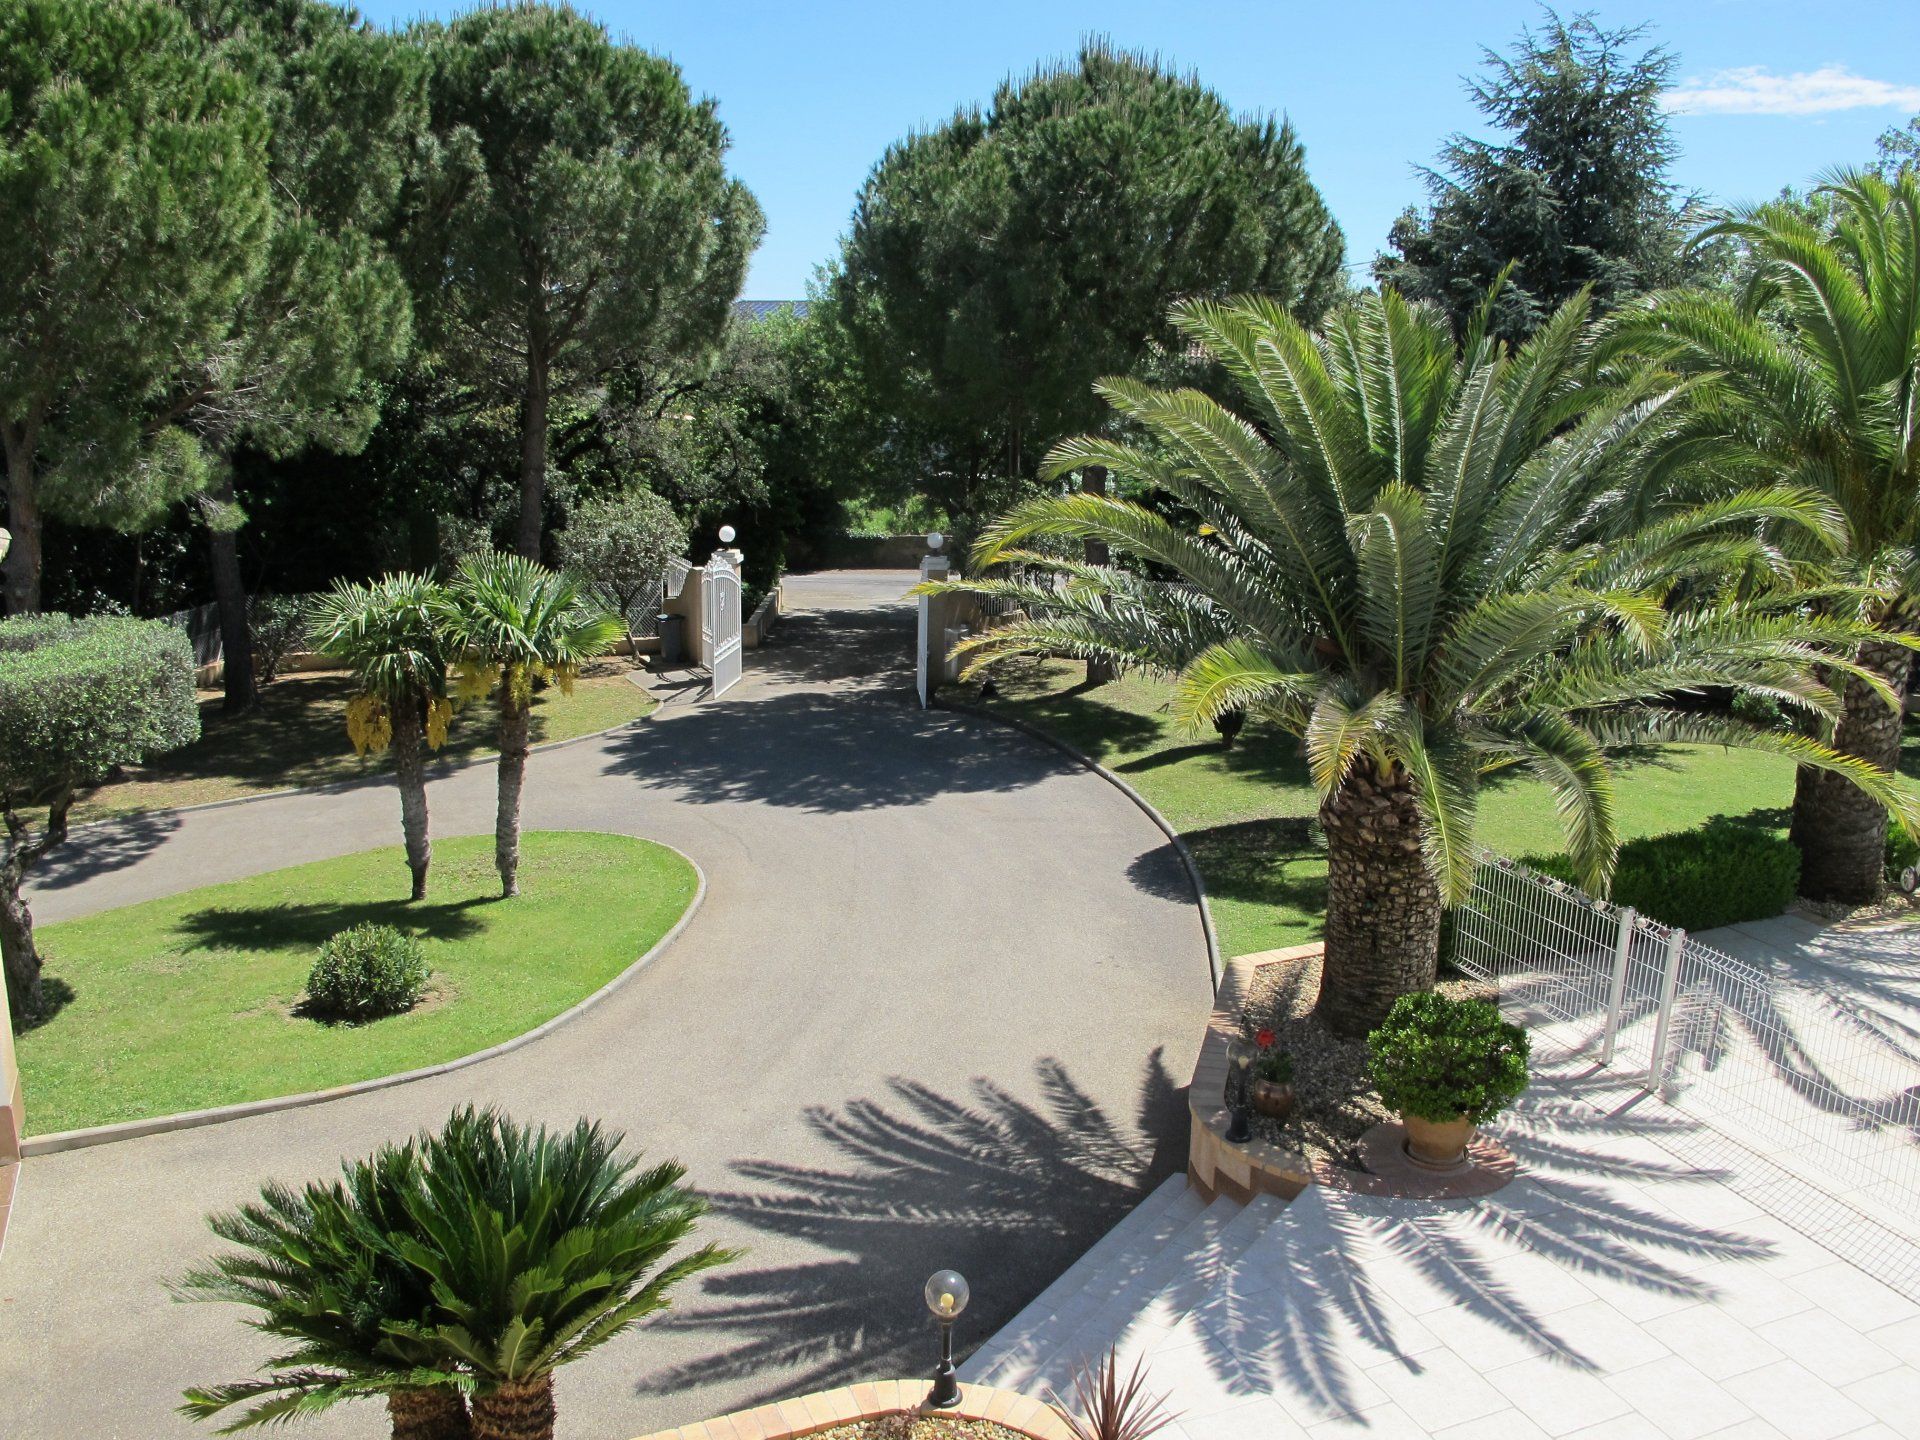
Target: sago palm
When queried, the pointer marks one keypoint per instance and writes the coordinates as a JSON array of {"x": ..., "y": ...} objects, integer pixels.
[
  {"x": 511, "y": 622},
  {"x": 321, "y": 1268},
  {"x": 1402, "y": 553},
  {"x": 1815, "y": 369},
  {"x": 540, "y": 1246},
  {"x": 387, "y": 633}
]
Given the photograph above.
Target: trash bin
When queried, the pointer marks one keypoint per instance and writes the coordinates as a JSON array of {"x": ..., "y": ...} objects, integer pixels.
[{"x": 673, "y": 639}]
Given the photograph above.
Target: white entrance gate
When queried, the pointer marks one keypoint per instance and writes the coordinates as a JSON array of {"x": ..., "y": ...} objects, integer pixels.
[{"x": 720, "y": 621}]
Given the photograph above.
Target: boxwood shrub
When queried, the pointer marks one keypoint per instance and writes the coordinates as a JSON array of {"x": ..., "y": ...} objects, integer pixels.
[
  {"x": 366, "y": 972},
  {"x": 1435, "y": 1058},
  {"x": 1720, "y": 874}
]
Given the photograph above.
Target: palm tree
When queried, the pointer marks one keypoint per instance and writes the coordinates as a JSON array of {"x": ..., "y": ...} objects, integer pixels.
[
  {"x": 1814, "y": 368},
  {"x": 322, "y": 1268},
  {"x": 1403, "y": 549},
  {"x": 540, "y": 1247},
  {"x": 512, "y": 621},
  {"x": 386, "y": 632}
]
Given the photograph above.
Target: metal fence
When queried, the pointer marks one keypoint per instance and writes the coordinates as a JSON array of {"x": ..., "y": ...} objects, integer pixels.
[{"x": 1804, "y": 1094}]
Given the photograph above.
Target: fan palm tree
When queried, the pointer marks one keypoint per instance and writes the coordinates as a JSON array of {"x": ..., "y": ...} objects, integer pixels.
[
  {"x": 512, "y": 621},
  {"x": 539, "y": 1246},
  {"x": 1404, "y": 552},
  {"x": 1814, "y": 368},
  {"x": 387, "y": 633},
  {"x": 321, "y": 1267}
]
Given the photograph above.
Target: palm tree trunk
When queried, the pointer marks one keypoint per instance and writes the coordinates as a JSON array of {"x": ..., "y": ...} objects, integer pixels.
[
  {"x": 1383, "y": 906},
  {"x": 514, "y": 708},
  {"x": 430, "y": 1413},
  {"x": 1093, "y": 481},
  {"x": 410, "y": 774},
  {"x": 1842, "y": 832},
  {"x": 519, "y": 1410}
]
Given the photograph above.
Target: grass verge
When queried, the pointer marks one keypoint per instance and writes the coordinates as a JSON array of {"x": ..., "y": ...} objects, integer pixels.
[
  {"x": 1248, "y": 813},
  {"x": 297, "y": 737},
  {"x": 189, "y": 1001}
]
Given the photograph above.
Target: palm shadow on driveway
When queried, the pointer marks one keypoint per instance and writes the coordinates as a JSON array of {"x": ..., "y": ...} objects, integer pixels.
[{"x": 1007, "y": 1192}]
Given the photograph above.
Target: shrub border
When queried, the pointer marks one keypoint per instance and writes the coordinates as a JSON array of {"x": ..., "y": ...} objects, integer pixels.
[
  {"x": 1079, "y": 756},
  {"x": 60, "y": 1140}
]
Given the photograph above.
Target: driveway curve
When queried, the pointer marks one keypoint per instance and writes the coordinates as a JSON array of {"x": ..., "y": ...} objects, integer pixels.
[{"x": 935, "y": 1011}]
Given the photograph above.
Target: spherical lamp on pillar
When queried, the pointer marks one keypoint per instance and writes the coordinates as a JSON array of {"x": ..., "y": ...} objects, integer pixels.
[
  {"x": 727, "y": 533},
  {"x": 935, "y": 540},
  {"x": 947, "y": 1295}
]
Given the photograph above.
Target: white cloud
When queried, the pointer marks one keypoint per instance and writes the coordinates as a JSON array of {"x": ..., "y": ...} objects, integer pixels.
[{"x": 1755, "y": 90}]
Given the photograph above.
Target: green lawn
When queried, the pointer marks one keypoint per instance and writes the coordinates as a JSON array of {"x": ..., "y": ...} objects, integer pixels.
[
  {"x": 297, "y": 736},
  {"x": 189, "y": 1001},
  {"x": 1247, "y": 812}
]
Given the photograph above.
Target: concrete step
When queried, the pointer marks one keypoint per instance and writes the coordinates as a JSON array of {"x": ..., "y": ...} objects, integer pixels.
[
  {"x": 1088, "y": 1284},
  {"x": 1154, "y": 1298}
]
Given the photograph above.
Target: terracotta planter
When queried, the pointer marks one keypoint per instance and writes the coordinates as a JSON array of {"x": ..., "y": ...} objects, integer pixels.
[
  {"x": 1438, "y": 1144},
  {"x": 1273, "y": 1098}
]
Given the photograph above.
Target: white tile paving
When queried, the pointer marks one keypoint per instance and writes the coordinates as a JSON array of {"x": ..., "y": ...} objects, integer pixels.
[{"x": 1614, "y": 1292}]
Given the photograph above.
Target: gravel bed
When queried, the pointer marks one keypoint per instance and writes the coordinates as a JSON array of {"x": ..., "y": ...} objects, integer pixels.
[
  {"x": 1334, "y": 1104},
  {"x": 919, "y": 1427}
]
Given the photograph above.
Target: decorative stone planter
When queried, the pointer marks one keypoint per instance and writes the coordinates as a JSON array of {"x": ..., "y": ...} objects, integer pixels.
[
  {"x": 1272, "y": 1098},
  {"x": 1438, "y": 1144},
  {"x": 874, "y": 1400}
]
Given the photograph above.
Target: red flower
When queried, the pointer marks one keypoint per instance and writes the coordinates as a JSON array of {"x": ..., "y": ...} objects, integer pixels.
[{"x": 1264, "y": 1039}]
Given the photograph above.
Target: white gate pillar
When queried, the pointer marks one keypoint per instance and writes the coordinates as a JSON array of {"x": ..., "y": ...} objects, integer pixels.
[{"x": 930, "y": 648}]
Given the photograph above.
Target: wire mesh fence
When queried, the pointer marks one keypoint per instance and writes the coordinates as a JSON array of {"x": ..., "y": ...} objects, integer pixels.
[{"x": 1804, "y": 1083}]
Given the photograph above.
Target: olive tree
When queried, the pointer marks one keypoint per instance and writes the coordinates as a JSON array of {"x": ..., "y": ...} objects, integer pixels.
[
  {"x": 77, "y": 699},
  {"x": 622, "y": 544}
]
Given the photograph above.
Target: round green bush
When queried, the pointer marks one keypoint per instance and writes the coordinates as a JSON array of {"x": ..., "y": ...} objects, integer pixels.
[
  {"x": 365, "y": 972},
  {"x": 1434, "y": 1058}
]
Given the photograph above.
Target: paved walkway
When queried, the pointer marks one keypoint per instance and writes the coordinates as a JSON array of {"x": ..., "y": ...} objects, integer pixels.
[{"x": 930, "y": 1015}]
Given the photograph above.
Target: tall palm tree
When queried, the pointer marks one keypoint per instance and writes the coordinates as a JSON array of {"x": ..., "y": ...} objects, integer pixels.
[
  {"x": 1814, "y": 367},
  {"x": 511, "y": 622},
  {"x": 1405, "y": 552},
  {"x": 387, "y": 632},
  {"x": 540, "y": 1246},
  {"x": 322, "y": 1269}
]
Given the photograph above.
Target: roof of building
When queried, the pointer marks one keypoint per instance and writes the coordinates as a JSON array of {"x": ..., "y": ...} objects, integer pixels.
[{"x": 761, "y": 309}]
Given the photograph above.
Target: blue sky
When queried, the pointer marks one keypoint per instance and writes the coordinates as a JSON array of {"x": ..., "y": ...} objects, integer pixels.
[{"x": 814, "y": 92}]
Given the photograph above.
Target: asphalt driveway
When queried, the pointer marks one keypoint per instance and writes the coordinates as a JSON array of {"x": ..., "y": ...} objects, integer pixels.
[{"x": 934, "y": 1012}]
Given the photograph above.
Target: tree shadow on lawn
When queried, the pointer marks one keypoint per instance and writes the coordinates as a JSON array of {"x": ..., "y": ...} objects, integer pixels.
[
  {"x": 1007, "y": 1192},
  {"x": 277, "y": 927},
  {"x": 1274, "y": 862}
]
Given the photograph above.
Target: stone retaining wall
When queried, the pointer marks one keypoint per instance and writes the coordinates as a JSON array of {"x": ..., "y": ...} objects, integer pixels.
[{"x": 873, "y": 1400}]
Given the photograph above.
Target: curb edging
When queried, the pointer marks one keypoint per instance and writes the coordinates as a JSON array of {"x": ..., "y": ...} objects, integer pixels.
[
  {"x": 62, "y": 1140},
  {"x": 1075, "y": 753}
]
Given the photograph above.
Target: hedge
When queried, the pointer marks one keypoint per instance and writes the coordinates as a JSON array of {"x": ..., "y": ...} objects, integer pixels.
[
  {"x": 78, "y": 697},
  {"x": 1720, "y": 874}
]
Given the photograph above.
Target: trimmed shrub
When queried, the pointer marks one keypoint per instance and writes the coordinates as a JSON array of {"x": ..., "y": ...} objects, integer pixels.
[
  {"x": 366, "y": 972},
  {"x": 1434, "y": 1058},
  {"x": 1720, "y": 874}
]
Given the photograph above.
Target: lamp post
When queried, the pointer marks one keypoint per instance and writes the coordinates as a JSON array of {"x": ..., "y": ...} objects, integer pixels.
[
  {"x": 935, "y": 540},
  {"x": 1239, "y": 1116},
  {"x": 947, "y": 1295},
  {"x": 727, "y": 532}
]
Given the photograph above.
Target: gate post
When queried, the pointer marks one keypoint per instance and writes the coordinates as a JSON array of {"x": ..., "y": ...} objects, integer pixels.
[
  {"x": 1617, "y": 995},
  {"x": 1669, "y": 983},
  {"x": 932, "y": 632}
]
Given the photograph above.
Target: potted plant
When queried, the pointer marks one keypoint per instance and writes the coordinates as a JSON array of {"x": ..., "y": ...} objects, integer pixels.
[
  {"x": 1270, "y": 1081},
  {"x": 1446, "y": 1065}
]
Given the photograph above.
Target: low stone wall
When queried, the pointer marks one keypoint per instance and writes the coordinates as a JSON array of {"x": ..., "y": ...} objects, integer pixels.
[
  {"x": 759, "y": 625},
  {"x": 872, "y": 552},
  {"x": 874, "y": 1400}
]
